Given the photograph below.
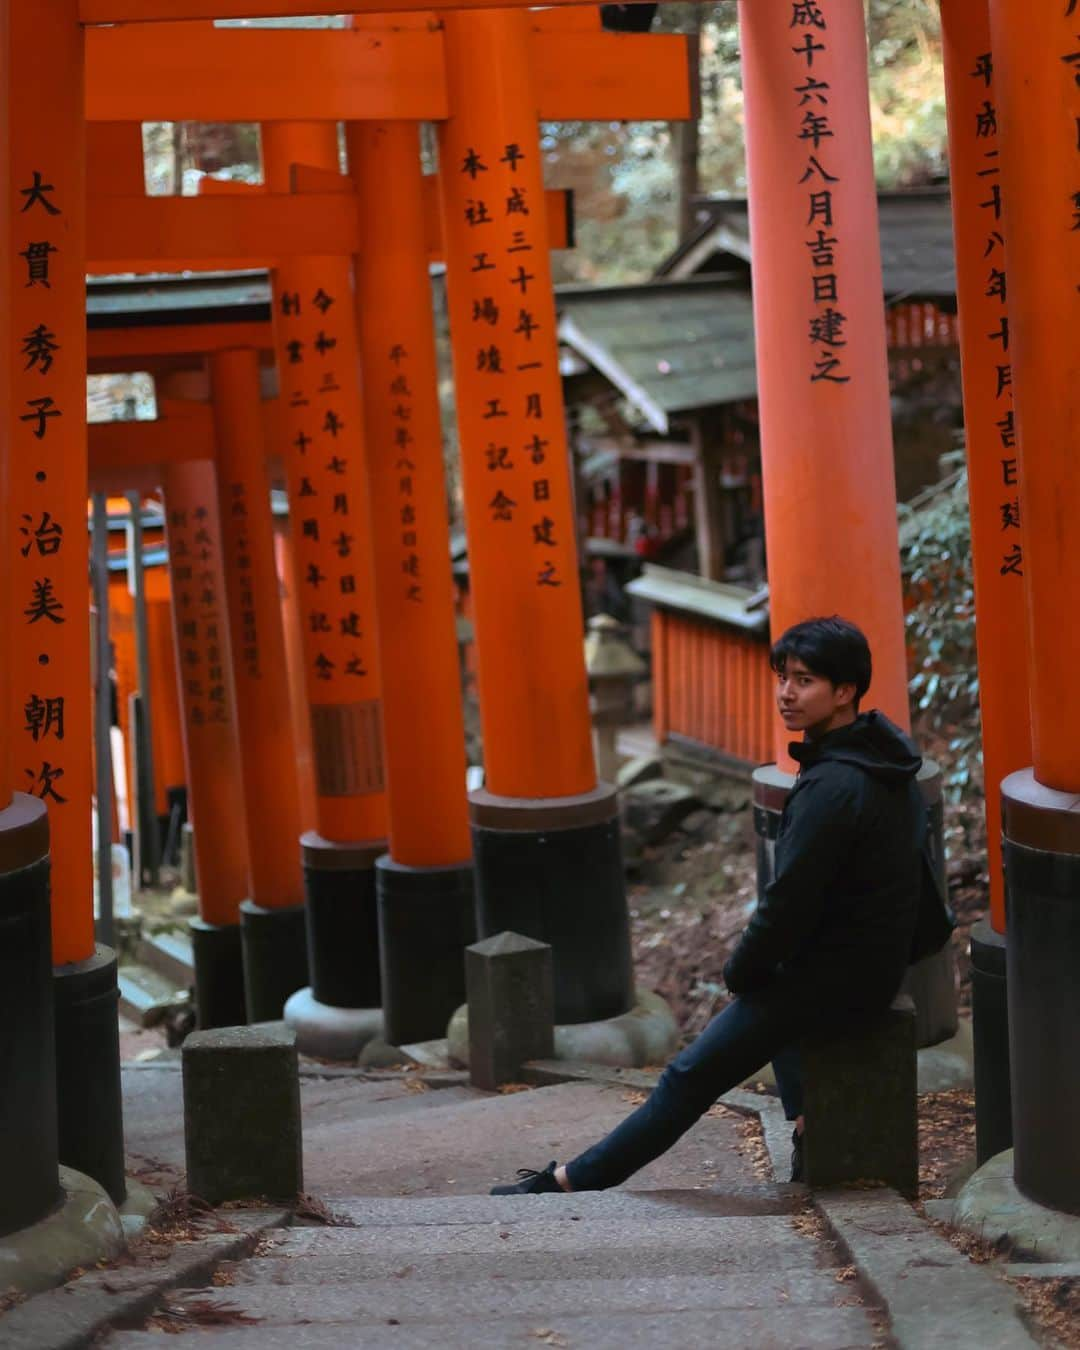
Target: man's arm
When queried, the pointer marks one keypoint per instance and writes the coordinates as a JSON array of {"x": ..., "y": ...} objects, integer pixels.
[{"x": 818, "y": 832}]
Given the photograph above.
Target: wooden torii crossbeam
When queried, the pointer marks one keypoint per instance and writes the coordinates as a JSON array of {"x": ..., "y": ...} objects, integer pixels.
[
  {"x": 198, "y": 73},
  {"x": 156, "y": 11},
  {"x": 251, "y": 228}
]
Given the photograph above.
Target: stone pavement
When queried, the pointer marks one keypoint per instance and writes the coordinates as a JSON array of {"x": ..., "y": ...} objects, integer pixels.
[{"x": 698, "y": 1249}]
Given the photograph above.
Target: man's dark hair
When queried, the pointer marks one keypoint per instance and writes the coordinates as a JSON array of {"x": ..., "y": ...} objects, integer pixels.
[{"x": 833, "y": 648}]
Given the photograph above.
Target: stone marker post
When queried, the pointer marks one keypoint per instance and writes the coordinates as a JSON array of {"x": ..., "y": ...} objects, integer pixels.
[
  {"x": 861, "y": 1103},
  {"x": 511, "y": 1007},
  {"x": 242, "y": 1114}
]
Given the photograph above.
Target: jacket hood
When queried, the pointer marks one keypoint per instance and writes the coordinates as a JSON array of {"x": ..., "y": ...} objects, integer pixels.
[{"x": 872, "y": 742}]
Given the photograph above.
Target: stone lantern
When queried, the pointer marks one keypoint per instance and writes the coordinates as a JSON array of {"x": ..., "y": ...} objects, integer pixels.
[{"x": 613, "y": 668}]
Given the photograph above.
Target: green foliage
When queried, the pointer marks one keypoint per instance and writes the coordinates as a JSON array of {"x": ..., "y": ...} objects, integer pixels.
[{"x": 935, "y": 554}]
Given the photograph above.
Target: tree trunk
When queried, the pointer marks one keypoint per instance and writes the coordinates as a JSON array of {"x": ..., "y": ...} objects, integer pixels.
[{"x": 688, "y": 134}]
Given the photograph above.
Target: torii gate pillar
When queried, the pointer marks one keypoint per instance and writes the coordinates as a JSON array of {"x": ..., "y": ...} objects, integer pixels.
[
  {"x": 819, "y": 328},
  {"x": 996, "y": 541},
  {"x": 545, "y": 832},
  {"x": 321, "y": 423},
  {"x": 425, "y": 883},
  {"x": 1037, "y": 70},
  {"x": 272, "y": 917},
  {"x": 47, "y": 560}
]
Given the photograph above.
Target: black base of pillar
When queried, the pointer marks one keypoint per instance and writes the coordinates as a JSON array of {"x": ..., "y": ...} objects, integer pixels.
[
  {"x": 89, "y": 1104},
  {"x": 274, "y": 945},
  {"x": 990, "y": 1032},
  {"x": 931, "y": 983},
  {"x": 1041, "y": 830},
  {"x": 29, "y": 1184},
  {"x": 427, "y": 917},
  {"x": 342, "y": 920},
  {"x": 219, "y": 975},
  {"x": 552, "y": 870}
]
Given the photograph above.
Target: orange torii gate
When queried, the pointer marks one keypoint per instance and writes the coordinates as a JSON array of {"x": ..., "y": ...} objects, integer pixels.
[
  {"x": 48, "y": 260},
  {"x": 135, "y": 11},
  {"x": 582, "y": 71}
]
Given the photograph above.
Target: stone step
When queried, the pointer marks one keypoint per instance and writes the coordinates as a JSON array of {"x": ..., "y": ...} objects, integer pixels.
[
  {"x": 415, "y": 1300},
  {"x": 146, "y": 995},
  {"x": 777, "y": 1328},
  {"x": 170, "y": 954},
  {"x": 347, "y": 1267},
  {"x": 542, "y": 1249},
  {"x": 467, "y": 1147},
  {"x": 356, "y": 1101},
  {"x": 748, "y": 1199}
]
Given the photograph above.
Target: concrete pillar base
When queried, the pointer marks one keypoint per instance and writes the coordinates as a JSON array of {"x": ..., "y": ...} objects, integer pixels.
[
  {"x": 991, "y": 1206},
  {"x": 88, "y": 1098},
  {"x": 273, "y": 944},
  {"x": 551, "y": 870},
  {"x": 342, "y": 921},
  {"x": 28, "y": 1186},
  {"x": 83, "y": 1228},
  {"x": 135, "y": 1212},
  {"x": 219, "y": 974},
  {"x": 646, "y": 1035},
  {"x": 990, "y": 1033},
  {"x": 325, "y": 1031},
  {"x": 427, "y": 918},
  {"x": 1041, "y": 832}
]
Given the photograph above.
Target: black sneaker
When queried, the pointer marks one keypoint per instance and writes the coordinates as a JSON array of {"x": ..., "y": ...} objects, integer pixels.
[
  {"x": 796, "y": 1156},
  {"x": 532, "y": 1183}
]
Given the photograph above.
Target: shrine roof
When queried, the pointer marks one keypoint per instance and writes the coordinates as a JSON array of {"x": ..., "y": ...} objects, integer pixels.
[
  {"x": 667, "y": 346},
  {"x": 155, "y": 300},
  {"x": 916, "y": 242}
]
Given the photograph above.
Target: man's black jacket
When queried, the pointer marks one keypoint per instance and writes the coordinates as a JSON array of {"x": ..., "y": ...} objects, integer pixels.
[{"x": 841, "y": 911}]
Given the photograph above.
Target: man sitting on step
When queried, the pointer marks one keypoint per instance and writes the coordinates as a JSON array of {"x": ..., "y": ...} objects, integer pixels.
[{"x": 830, "y": 941}]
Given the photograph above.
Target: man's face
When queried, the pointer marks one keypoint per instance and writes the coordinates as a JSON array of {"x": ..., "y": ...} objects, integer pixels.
[{"x": 812, "y": 703}]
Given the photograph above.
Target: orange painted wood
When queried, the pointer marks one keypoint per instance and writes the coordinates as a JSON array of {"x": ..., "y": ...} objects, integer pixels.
[
  {"x": 658, "y": 644},
  {"x": 256, "y": 227},
  {"x": 294, "y": 662},
  {"x": 107, "y": 346},
  {"x": 423, "y": 722},
  {"x": 201, "y": 633},
  {"x": 125, "y": 666},
  {"x": 992, "y": 446},
  {"x": 711, "y": 686},
  {"x": 8, "y": 731},
  {"x": 114, "y": 160},
  {"x": 1037, "y": 90},
  {"x": 194, "y": 72},
  {"x": 321, "y": 436},
  {"x": 188, "y": 234},
  {"x": 165, "y": 698},
  {"x": 189, "y": 72},
  {"x": 49, "y": 651},
  {"x": 186, "y": 434},
  {"x": 515, "y": 461},
  {"x": 260, "y": 678},
  {"x": 826, "y": 439},
  {"x": 150, "y": 11}
]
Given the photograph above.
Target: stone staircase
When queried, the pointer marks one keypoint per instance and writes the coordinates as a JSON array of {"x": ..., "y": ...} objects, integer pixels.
[
  {"x": 156, "y": 985},
  {"x": 705, "y": 1253},
  {"x": 652, "y": 1268}
]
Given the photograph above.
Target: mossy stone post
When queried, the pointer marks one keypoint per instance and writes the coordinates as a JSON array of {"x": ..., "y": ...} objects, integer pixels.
[
  {"x": 511, "y": 1007},
  {"x": 861, "y": 1103},
  {"x": 242, "y": 1132}
]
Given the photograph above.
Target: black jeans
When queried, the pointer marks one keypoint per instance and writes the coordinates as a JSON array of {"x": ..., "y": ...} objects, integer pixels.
[{"x": 749, "y": 1033}]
